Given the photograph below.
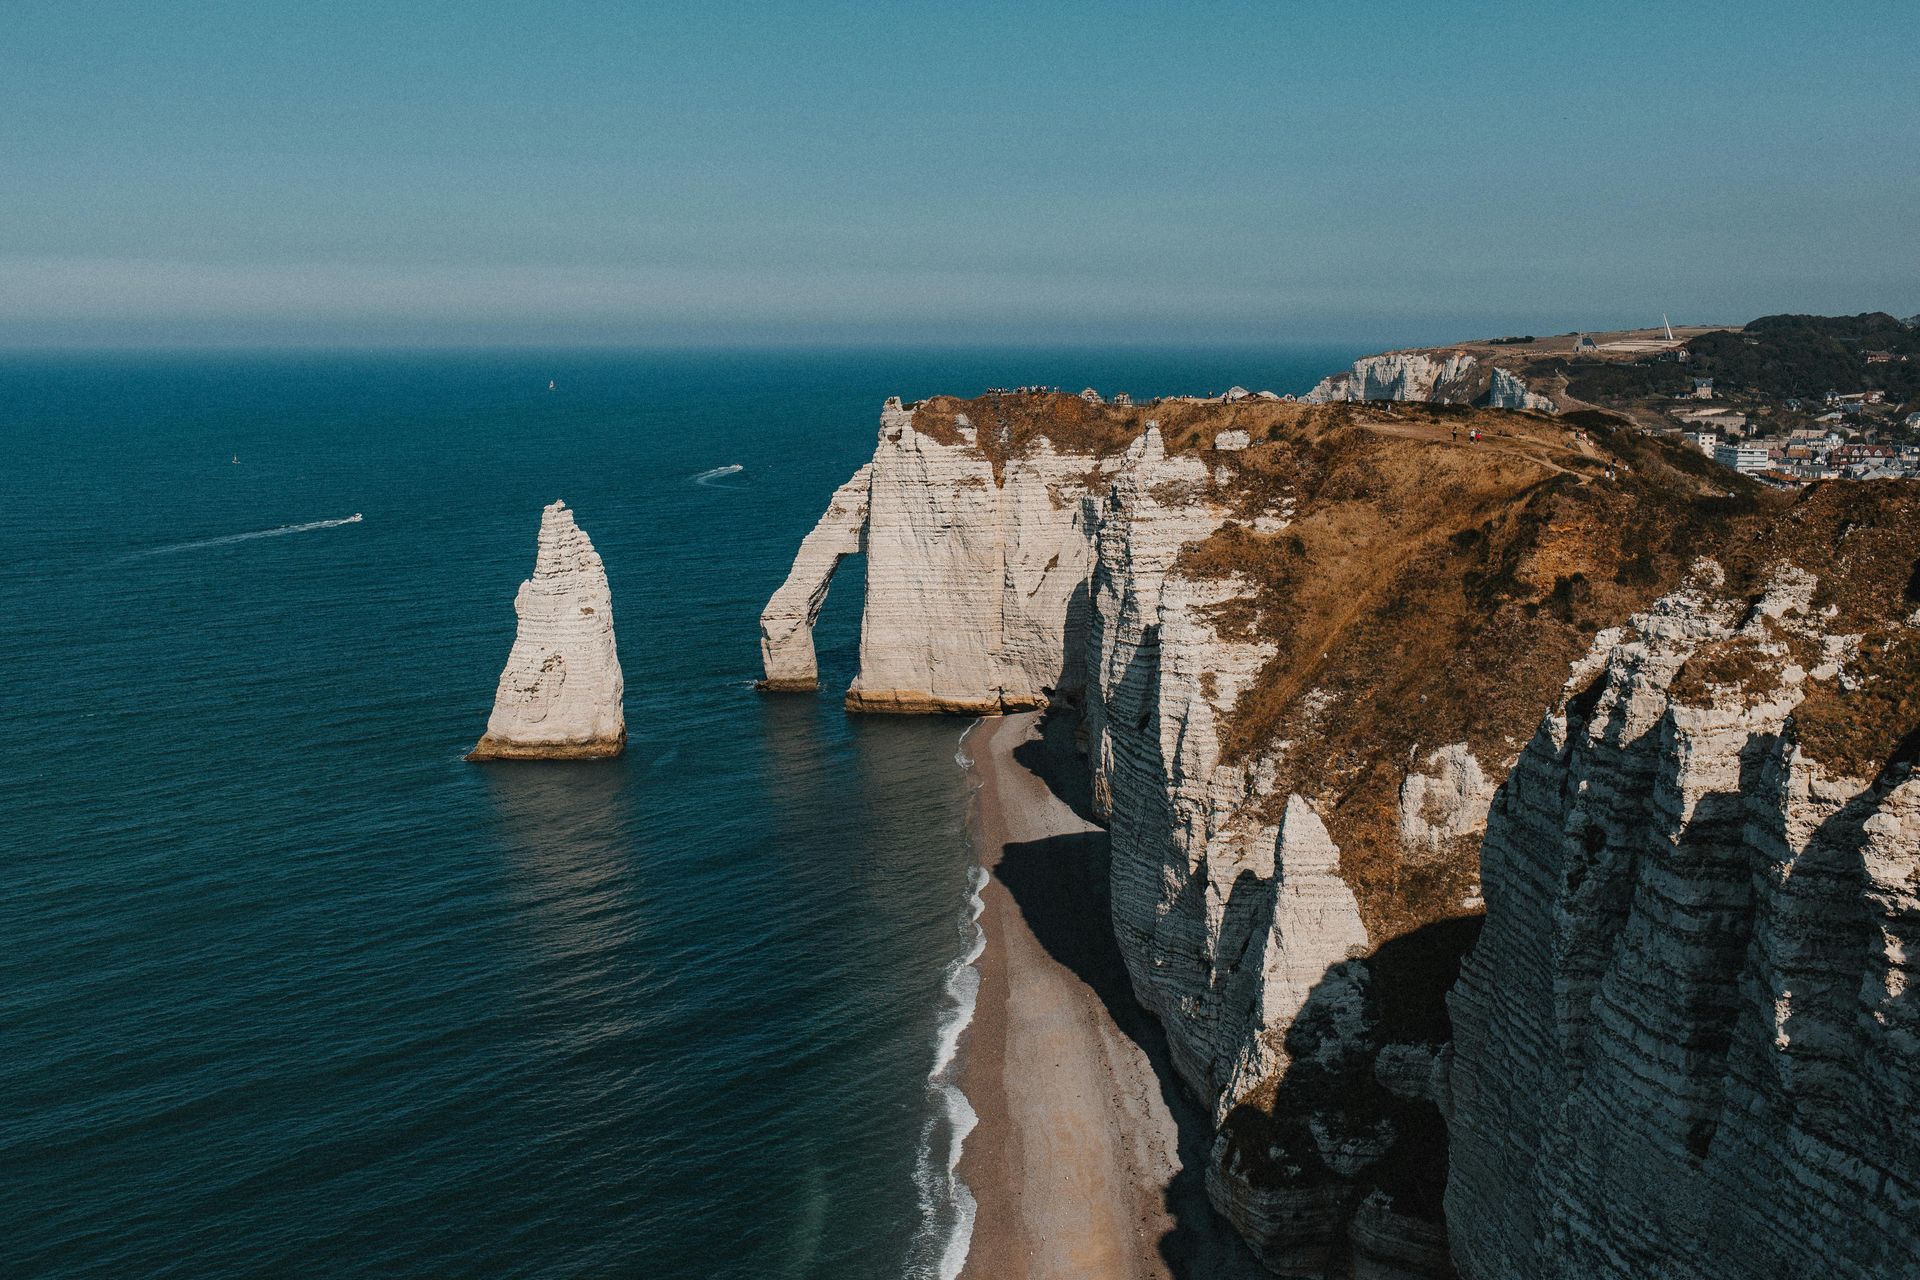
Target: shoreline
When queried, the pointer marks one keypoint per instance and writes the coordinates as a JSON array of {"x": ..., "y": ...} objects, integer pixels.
[{"x": 1087, "y": 1158}]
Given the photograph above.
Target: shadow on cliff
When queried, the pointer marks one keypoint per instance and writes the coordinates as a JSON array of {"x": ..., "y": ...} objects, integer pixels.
[
  {"x": 1058, "y": 757},
  {"x": 1055, "y": 758},
  {"x": 1060, "y": 887},
  {"x": 1358, "y": 1091}
]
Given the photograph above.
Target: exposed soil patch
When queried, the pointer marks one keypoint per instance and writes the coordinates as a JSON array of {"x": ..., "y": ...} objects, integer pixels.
[{"x": 1875, "y": 726}]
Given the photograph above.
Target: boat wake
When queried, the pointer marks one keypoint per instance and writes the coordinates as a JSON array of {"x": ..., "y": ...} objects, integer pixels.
[
  {"x": 708, "y": 477},
  {"x": 308, "y": 527}
]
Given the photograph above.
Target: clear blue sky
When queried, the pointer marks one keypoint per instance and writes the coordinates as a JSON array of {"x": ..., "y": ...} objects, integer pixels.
[{"x": 968, "y": 172}]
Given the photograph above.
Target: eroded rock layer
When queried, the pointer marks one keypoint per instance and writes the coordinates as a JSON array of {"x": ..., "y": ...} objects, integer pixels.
[
  {"x": 1688, "y": 1042},
  {"x": 1309, "y": 644},
  {"x": 971, "y": 573},
  {"x": 786, "y": 624},
  {"x": 559, "y": 696},
  {"x": 1399, "y": 375}
]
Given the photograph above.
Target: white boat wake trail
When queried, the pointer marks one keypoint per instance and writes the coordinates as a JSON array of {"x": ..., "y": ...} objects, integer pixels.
[
  {"x": 308, "y": 527},
  {"x": 708, "y": 477},
  {"x": 947, "y": 1207}
]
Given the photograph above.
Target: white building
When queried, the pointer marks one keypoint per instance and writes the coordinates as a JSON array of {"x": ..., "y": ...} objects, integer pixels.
[{"x": 1747, "y": 459}]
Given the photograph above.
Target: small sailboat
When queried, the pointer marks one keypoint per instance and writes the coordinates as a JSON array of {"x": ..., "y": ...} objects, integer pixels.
[
  {"x": 236, "y": 459},
  {"x": 549, "y": 384}
]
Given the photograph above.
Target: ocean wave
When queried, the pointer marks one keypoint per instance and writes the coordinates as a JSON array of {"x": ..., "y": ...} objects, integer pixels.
[
  {"x": 308, "y": 527},
  {"x": 708, "y": 477},
  {"x": 947, "y": 1205},
  {"x": 960, "y": 756}
]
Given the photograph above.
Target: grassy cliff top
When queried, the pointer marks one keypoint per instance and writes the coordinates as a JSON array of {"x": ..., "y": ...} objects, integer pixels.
[
  {"x": 1428, "y": 590},
  {"x": 1011, "y": 425}
]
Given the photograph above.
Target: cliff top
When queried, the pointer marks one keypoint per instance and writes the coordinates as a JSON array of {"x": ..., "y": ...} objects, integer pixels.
[
  {"x": 1011, "y": 424},
  {"x": 1428, "y": 590}
]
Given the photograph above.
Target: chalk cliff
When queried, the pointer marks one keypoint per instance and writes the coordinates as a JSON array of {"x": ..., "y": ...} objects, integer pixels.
[
  {"x": 1310, "y": 647},
  {"x": 559, "y": 695},
  {"x": 1688, "y": 1041},
  {"x": 972, "y": 566},
  {"x": 786, "y": 624},
  {"x": 1508, "y": 390},
  {"x": 1400, "y": 375}
]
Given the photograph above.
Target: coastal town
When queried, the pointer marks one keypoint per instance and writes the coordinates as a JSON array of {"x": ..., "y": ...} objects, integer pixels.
[
  {"x": 1787, "y": 400},
  {"x": 1855, "y": 435}
]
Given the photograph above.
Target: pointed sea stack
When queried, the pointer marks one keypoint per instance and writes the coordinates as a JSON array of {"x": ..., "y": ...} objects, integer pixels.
[{"x": 559, "y": 697}]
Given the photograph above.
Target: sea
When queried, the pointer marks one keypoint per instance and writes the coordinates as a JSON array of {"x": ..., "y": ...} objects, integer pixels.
[{"x": 289, "y": 989}]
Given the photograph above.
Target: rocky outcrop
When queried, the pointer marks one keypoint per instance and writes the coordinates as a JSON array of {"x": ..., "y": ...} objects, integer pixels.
[
  {"x": 1451, "y": 378},
  {"x": 1509, "y": 391},
  {"x": 1688, "y": 1043},
  {"x": 976, "y": 576},
  {"x": 1401, "y": 375},
  {"x": 559, "y": 696},
  {"x": 970, "y": 575},
  {"x": 786, "y": 624}
]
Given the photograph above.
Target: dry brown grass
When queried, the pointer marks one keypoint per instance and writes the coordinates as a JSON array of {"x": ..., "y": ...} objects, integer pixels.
[
  {"x": 1737, "y": 668},
  {"x": 1875, "y": 726},
  {"x": 1010, "y": 426},
  {"x": 1431, "y": 591}
]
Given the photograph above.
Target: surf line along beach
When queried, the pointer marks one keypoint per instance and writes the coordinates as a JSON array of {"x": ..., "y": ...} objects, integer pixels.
[{"x": 1087, "y": 1159}]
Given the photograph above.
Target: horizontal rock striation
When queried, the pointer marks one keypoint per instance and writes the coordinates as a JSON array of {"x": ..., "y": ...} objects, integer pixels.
[
  {"x": 786, "y": 624},
  {"x": 1508, "y": 390},
  {"x": 1308, "y": 646},
  {"x": 1688, "y": 1042},
  {"x": 559, "y": 695},
  {"x": 971, "y": 575},
  {"x": 1403, "y": 375}
]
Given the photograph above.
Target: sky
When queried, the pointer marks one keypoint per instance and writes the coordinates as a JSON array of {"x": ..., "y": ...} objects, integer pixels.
[{"x": 718, "y": 173}]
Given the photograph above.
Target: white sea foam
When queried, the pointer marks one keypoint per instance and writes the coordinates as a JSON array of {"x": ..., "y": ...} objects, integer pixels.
[
  {"x": 960, "y": 756},
  {"x": 308, "y": 527},
  {"x": 946, "y": 1204},
  {"x": 708, "y": 477},
  {"x": 962, "y": 1118}
]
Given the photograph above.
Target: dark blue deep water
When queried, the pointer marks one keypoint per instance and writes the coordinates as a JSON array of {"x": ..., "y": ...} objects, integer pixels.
[{"x": 288, "y": 989}]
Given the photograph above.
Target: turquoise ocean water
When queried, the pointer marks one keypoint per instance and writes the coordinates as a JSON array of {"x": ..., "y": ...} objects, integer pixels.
[{"x": 286, "y": 988}]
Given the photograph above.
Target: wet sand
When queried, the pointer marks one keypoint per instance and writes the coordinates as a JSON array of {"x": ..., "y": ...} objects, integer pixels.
[{"x": 1087, "y": 1160}]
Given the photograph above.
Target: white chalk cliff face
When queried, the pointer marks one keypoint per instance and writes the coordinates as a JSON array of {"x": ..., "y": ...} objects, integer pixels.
[
  {"x": 559, "y": 696},
  {"x": 1405, "y": 375},
  {"x": 1664, "y": 1003},
  {"x": 1057, "y": 583},
  {"x": 1509, "y": 391},
  {"x": 1225, "y": 920},
  {"x": 786, "y": 624},
  {"x": 974, "y": 583},
  {"x": 1231, "y": 924},
  {"x": 1688, "y": 1042}
]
